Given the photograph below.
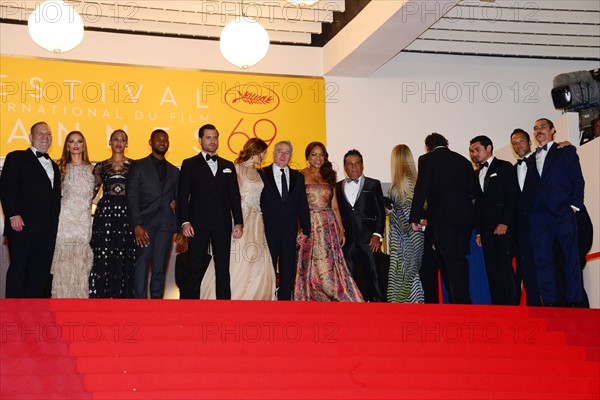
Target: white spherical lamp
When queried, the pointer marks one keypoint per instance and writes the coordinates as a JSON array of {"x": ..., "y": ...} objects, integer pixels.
[
  {"x": 55, "y": 26},
  {"x": 244, "y": 42},
  {"x": 303, "y": 3}
]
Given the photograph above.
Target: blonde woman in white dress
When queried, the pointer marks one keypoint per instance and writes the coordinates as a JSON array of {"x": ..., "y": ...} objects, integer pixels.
[
  {"x": 73, "y": 255},
  {"x": 251, "y": 272}
]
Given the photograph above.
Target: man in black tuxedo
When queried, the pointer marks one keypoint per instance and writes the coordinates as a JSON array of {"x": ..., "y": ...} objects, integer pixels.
[
  {"x": 559, "y": 188},
  {"x": 521, "y": 144},
  {"x": 446, "y": 181},
  {"x": 151, "y": 191},
  {"x": 284, "y": 206},
  {"x": 495, "y": 214},
  {"x": 360, "y": 200},
  {"x": 209, "y": 198},
  {"x": 30, "y": 195}
]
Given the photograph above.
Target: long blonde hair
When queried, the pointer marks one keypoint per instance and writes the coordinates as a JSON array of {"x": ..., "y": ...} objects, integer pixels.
[{"x": 404, "y": 173}]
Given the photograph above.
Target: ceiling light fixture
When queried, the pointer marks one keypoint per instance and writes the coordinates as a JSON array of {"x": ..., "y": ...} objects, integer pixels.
[
  {"x": 244, "y": 42},
  {"x": 303, "y": 3},
  {"x": 55, "y": 26}
]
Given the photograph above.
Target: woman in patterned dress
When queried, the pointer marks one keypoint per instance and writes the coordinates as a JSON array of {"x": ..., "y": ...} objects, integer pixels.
[
  {"x": 72, "y": 259},
  {"x": 322, "y": 273},
  {"x": 112, "y": 236},
  {"x": 406, "y": 245}
]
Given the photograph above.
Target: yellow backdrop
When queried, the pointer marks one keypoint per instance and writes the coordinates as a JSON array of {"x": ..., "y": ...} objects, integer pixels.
[{"x": 96, "y": 99}]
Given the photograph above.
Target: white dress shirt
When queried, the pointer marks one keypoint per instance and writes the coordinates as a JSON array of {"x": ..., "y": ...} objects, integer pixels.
[
  {"x": 483, "y": 172},
  {"x": 522, "y": 171},
  {"x": 351, "y": 190},
  {"x": 46, "y": 164},
  {"x": 277, "y": 176},
  {"x": 212, "y": 164},
  {"x": 540, "y": 157}
]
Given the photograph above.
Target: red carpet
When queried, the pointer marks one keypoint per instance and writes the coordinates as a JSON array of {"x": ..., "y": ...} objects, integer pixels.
[{"x": 132, "y": 349}]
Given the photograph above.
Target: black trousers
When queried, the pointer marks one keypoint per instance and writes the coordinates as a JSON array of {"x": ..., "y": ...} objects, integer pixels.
[
  {"x": 363, "y": 267},
  {"x": 498, "y": 265},
  {"x": 220, "y": 240},
  {"x": 31, "y": 255},
  {"x": 156, "y": 255},
  {"x": 452, "y": 244},
  {"x": 283, "y": 253}
]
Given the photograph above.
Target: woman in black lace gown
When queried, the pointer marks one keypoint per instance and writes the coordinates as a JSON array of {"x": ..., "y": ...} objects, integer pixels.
[{"x": 112, "y": 237}]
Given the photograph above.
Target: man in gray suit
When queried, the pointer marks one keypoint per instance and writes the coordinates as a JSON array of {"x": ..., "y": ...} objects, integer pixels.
[{"x": 151, "y": 192}]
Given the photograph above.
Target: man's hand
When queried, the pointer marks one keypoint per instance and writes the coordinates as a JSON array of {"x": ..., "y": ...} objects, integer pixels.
[
  {"x": 375, "y": 243},
  {"x": 501, "y": 229},
  {"x": 238, "y": 230},
  {"x": 478, "y": 240},
  {"x": 16, "y": 223},
  {"x": 560, "y": 145},
  {"x": 416, "y": 227},
  {"x": 301, "y": 238},
  {"x": 187, "y": 230},
  {"x": 173, "y": 204},
  {"x": 142, "y": 238}
]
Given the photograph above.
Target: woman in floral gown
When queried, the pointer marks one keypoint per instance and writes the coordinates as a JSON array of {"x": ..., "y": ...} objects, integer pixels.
[
  {"x": 72, "y": 259},
  {"x": 322, "y": 273},
  {"x": 112, "y": 237}
]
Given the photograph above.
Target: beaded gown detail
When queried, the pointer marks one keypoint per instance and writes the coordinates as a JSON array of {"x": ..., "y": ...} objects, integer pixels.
[
  {"x": 112, "y": 236},
  {"x": 251, "y": 272},
  {"x": 73, "y": 255},
  {"x": 406, "y": 255},
  {"x": 322, "y": 273}
]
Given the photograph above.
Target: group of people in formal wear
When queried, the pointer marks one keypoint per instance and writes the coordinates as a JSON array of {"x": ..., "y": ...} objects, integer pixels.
[{"x": 273, "y": 232}]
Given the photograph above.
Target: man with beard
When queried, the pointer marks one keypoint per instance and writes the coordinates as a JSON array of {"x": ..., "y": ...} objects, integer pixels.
[{"x": 151, "y": 199}]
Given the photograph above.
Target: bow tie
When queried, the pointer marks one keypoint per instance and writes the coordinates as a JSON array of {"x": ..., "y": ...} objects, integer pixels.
[
  {"x": 39, "y": 154},
  {"x": 484, "y": 165},
  {"x": 209, "y": 157},
  {"x": 520, "y": 161},
  {"x": 348, "y": 180},
  {"x": 544, "y": 147}
]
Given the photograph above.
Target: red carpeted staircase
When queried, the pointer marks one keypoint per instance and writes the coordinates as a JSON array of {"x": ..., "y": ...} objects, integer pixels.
[{"x": 134, "y": 349}]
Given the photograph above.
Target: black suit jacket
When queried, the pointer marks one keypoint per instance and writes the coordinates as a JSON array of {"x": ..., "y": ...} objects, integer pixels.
[
  {"x": 497, "y": 204},
  {"x": 281, "y": 218},
  {"x": 447, "y": 182},
  {"x": 25, "y": 190},
  {"x": 148, "y": 202},
  {"x": 368, "y": 214},
  {"x": 206, "y": 200}
]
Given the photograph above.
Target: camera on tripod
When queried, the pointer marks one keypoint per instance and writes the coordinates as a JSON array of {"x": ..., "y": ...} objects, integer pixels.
[{"x": 580, "y": 91}]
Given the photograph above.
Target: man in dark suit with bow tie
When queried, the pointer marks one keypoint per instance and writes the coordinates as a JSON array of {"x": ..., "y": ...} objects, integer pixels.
[
  {"x": 151, "y": 190},
  {"x": 559, "y": 187},
  {"x": 30, "y": 196},
  {"x": 521, "y": 144},
  {"x": 285, "y": 208},
  {"x": 360, "y": 200},
  {"x": 495, "y": 215},
  {"x": 209, "y": 198}
]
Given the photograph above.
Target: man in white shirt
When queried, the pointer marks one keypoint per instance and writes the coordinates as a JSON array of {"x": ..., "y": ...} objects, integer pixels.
[
  {"x": 30, "y": 196},
  {"x": 559, "y": 188},
  {"x": 360, "y": 200}
]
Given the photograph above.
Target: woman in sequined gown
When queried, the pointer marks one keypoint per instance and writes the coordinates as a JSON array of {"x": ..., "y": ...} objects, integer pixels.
[
  {"x": 251, "y": 272},
  {"x": 112, "y": 237},
  {"x": 72, "y": 259},
  {"x": 322, "y": 273},
  {"x": 406, "y": 245}
]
